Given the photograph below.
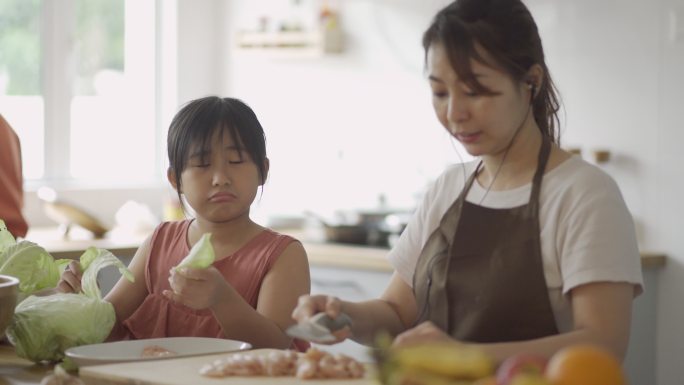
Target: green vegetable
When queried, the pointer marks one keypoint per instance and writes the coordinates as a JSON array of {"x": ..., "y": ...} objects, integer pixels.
[
  {"x": 200, "y": 256},
  {"x": 35, "y": 267},
  {"x": 6, "y": 238},
  {"x": 44, "y": 327},
  {"x": 94, "y": 260}
]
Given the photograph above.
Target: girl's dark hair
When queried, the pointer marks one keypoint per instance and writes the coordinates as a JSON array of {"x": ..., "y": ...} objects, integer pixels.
[
  {"x": 199, "y": 119},
  {"x": 508, "y": 34}
]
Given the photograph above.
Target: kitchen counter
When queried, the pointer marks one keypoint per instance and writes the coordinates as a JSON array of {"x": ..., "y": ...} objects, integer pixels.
[
  {"x": 124, "y": 245},
  {"x": 18, "y": 371}
]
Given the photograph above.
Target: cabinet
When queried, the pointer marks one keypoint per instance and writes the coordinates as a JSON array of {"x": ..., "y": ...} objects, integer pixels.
[{"x": 640, "y": 361}]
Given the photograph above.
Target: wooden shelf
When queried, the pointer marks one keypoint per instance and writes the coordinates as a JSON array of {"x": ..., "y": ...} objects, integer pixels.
[
  {"x": 270, "y": 40},
  {"x": 299, "y": 43}
]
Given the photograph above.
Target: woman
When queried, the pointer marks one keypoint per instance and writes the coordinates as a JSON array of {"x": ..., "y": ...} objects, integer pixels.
[{"x": 526, "y": 249}]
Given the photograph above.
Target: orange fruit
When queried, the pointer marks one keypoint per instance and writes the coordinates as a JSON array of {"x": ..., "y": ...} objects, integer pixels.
[{"x": 585, "y": 365}]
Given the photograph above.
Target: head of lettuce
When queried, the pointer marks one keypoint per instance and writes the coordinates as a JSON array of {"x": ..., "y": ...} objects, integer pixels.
[{"x": 43, "y": 327}]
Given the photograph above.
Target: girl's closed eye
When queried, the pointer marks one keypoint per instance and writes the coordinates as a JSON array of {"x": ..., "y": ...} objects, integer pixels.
[
  {"x": 200, "y": 163},
  {"x": 236, "y": 160},
  {"x": 199, "y": 159},
  {"x": 236, "y": 156}
]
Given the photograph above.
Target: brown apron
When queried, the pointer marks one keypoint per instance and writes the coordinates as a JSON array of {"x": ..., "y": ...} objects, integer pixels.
[{"x": 480, "y": 276}]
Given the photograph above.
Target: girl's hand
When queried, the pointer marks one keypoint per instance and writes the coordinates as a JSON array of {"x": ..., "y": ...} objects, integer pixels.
[
  {"x": 198, "y": 288},
  {"x": 425, "y": 332},
  {"x": 309, "y": 305},
  {"x": 70, "y": 281}
]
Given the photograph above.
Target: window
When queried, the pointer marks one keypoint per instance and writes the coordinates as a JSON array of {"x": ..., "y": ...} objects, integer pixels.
[{"x": 78, "y": 82}]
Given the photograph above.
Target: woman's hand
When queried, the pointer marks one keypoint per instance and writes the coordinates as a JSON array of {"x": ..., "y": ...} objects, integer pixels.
[
  {"x": 309, "y": 305},
  {"x": 198, "y": 288},
  {"x": 70, "y": 281},
  {"x": 425, "y": 332}
]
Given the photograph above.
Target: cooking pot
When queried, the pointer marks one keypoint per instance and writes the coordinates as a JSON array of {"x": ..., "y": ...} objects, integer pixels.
[{"x": 361, "y": 228}]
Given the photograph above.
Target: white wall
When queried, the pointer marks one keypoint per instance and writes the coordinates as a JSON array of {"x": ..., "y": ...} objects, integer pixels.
[
  {"x": 342, "y": 130},
  {"x": 200, "y": 48},
  {"x": 620, "y": 72}
]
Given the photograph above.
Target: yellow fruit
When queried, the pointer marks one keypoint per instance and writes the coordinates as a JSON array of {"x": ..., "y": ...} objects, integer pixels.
[
  {"x": 491, "y": 380},
  {"x": 459, "y": 362},
  {"x": 419, "y": 377},
  {"x": 585, "y": 365}
]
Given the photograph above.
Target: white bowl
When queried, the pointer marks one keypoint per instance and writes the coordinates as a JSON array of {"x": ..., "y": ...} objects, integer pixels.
[{"x": 128, "y": 351}]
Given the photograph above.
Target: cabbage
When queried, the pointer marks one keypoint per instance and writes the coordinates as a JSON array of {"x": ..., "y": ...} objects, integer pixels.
[
  {"x": 35, "y": 267},
  {"x": 6, "y": 238},
  {"x": 44, "y": 327},
  {"x": 200, "y": 256}
]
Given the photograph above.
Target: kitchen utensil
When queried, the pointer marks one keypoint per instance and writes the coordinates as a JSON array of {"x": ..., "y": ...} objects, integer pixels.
[
  {"x": 319, "y": 328},
  {"x": 67, "y": 214},
  {"x": 184, "y": 371},
  {"x": 374, "y": 228},
  {"x": 128, "y": 351},
  {"x": 342, "y": 233}
]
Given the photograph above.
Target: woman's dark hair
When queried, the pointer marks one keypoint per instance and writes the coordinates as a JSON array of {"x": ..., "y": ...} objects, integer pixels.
[
  {"x": 508, "y": 34},
  {"x": 199, "y": 119}
]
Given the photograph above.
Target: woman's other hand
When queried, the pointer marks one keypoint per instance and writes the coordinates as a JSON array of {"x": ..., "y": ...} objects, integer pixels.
[
  {"x": 198, "y": 288},
  {"x": 425, "y": 332},
  {"x": 70, "y": 281}
]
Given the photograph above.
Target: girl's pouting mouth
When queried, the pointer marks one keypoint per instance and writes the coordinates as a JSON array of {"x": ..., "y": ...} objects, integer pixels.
[{"x": 222, "y": 196}]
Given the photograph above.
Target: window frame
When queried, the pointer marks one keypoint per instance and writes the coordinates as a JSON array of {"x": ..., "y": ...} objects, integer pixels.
[{"x": 57, "y": 71}]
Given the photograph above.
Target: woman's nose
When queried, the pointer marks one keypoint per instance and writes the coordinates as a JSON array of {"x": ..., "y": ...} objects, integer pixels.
[{"x": 456, "y": 110}]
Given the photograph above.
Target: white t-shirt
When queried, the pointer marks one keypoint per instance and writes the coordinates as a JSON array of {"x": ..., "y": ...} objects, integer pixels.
[{"x": 587, "y": 232}]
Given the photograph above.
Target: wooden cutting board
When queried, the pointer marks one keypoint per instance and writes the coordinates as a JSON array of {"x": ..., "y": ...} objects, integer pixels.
[{"x": 185, "y": 371}]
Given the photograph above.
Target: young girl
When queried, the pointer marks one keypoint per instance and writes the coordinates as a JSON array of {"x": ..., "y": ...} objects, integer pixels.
[
  {"x": 217, "y": 157},
  {"x": 527, "y": 249}
]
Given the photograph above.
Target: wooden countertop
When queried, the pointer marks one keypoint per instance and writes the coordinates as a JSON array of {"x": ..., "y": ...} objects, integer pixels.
[
  {"x": 124, "y": 245},
  {"x": 18, "y": 371}
]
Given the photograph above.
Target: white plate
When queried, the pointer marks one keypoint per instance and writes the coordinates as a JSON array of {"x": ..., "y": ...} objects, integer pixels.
[{"x": 127, "y": 351}]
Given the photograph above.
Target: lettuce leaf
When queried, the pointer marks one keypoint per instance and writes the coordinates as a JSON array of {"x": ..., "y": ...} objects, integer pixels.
[
  {"x": 200, "y": 256},
  {"x": 6, "y": 238},
  {"x": 44, "y": 327},
  {"x": 95, "y": 260},
  {"x": 32, "y": 264}
]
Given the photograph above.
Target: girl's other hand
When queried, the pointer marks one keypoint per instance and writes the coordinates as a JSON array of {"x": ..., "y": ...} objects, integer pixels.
[
  {"x": 198, "y": 288},
  {"x": 70, "y": 281},
  {"x": 425, "y": 332}
]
